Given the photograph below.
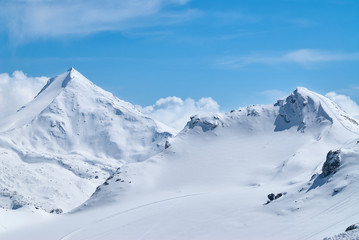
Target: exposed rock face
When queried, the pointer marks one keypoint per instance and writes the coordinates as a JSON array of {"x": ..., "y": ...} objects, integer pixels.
[
  {"x": 207, "y": 124},
  {"x": 332, "y": 163},
  {"x": 56, "y": 211},
  {"x": 352, "y": 227},
  {"x": 167, "y": 144},
  {"x": 273, "y": 197},
  {"x": 278, "y": 195}
]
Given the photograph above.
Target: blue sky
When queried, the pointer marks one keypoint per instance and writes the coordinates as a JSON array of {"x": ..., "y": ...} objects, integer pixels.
[{"x": 237, "y": 52}]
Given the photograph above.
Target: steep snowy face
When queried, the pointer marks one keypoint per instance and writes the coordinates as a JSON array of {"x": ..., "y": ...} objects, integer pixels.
[
  {"x": 25, "y": 114},
  {"x": 302, "y": 108},
  {"x": 77, "y": 132}
]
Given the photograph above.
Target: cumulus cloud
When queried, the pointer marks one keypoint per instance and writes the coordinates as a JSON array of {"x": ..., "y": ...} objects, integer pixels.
[
  {"x": 345, "y": 103},
  {"x": 43, "y": 18},
  {"x": 302, "y": 57},
  {"x": 176, "y": 112},
  {"x": 16, "y": 90}
]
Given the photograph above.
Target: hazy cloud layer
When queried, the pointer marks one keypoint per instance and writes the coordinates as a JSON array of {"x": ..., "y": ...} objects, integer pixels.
[
  {"x": 302, "y": 57},
  {"x": 345, "y": 102},
  {"x": 25, "y": 19},
  {"x": 17, "y": 90},
  {"x": 176, "y": 112}
]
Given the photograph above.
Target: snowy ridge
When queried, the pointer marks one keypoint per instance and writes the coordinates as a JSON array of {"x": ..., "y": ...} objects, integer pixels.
[
  {"x": 301, "y": 109},
  {"x": 75, "y": 134},
  {"x": 227, "y": 164}
]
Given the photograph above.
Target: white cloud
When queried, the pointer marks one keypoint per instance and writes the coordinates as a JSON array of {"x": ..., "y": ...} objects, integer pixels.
[
  {"x": 303, "y": 57},
  {"x": 17, "y": 90},
  {"x": 176, "y": 112},
  {"x": 345, "y": 102},
  {"x": 43, "y": 18}
]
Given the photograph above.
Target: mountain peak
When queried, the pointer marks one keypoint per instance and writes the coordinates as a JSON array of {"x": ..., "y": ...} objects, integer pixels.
[
  {"x": 70, "y": 83},
  {"x": 301, "y": 109},
  {"x": 302, "y": 90},
  {"x": 81, "y": 132},
  {"x": 74, "y": 74},
  {"x": 304, "y": 93},
  {"x": 56, "y": 84}
]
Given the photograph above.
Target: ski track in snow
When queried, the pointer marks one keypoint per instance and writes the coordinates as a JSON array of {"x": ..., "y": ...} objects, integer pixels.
[{"x": 67, "y": 236}]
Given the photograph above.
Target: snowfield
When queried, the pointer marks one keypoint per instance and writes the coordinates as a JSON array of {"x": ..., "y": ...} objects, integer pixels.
[{"x": 284, "y": 171}]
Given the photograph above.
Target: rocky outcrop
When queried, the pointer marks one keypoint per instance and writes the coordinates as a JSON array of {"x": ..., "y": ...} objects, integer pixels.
[
  {"x": 332, "y": 163},
  {"x": 205, "y": 123},
  {"x": 352, "y": 227},
  {"x": 273, "y": 197}
]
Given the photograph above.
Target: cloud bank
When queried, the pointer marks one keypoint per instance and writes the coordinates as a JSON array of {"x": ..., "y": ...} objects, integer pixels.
[
  {"x": 302, "y": 57},
  {"x": 176, "y": 112},
  {"x": 17, "y": 90},
  {"x": 345, "y": 103},
  {"x": 25, "y": 19}
]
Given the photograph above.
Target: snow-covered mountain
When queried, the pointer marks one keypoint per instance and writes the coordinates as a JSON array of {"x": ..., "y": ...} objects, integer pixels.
[
  {"x": 58, "y": 148},
  {"x": 285, "y": 143},
  {"x": 283, "y": 171}
]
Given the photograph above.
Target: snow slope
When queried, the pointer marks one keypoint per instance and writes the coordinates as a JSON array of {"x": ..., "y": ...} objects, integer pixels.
[
  {"x": 214, "y": 179},
  {"x": 58, "y": 148}
]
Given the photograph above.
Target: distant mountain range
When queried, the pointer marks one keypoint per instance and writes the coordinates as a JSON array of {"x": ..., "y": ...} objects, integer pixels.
[{"x": 284, "y": 171}]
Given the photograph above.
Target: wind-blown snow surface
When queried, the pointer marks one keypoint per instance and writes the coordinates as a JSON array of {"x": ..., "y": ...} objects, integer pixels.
[
  {"x": 57, "y": 149},
  {"x": 213, "y": 180}
]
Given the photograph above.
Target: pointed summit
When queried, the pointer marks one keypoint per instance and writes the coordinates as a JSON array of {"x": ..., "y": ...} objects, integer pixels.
[
  {"x": 56, "y": 84},
  {"x": 68, "y": 85}
]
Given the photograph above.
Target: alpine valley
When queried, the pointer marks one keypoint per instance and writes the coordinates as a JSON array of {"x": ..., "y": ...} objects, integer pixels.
[{"x": 78, "y": 163}]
